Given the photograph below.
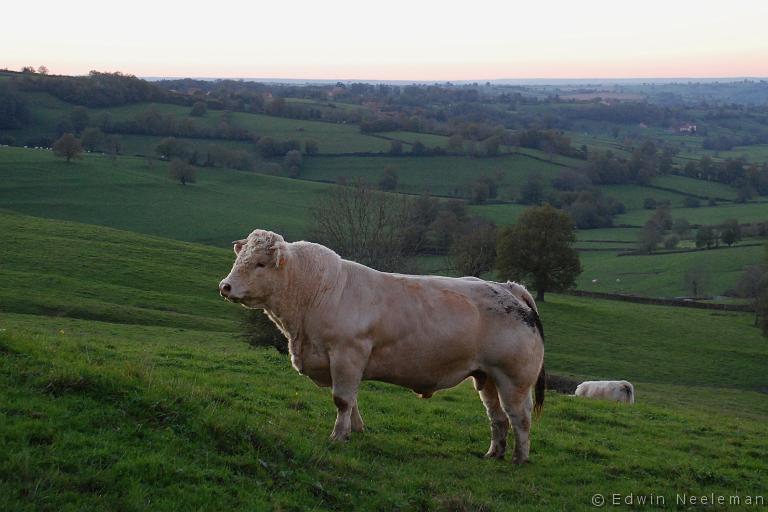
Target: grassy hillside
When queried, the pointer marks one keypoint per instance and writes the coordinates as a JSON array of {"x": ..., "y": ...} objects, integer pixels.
[
  {"x": 60, "y": 268},
  {"x": 136, "y": 194},
  {"x": 121, "y": 414}
]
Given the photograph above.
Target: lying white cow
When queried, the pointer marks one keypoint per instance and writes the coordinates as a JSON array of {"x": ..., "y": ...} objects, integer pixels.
[
  {"x": 346, "y": 322},
  {"x": 619, "y": 390}
]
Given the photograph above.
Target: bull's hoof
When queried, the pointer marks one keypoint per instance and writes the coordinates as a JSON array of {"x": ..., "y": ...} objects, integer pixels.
[
  {"x": 337, "y": 437},
  {"x": 494, "y": 454},
  {"x": 520, "y": 461},
  {"x": 358, "y": 428}
]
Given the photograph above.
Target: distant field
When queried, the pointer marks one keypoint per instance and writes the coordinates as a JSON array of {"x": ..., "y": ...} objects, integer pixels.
[
  {"x": 634, "y": 196},
  {"x": 449, "y": 176},
  {"x": 757, "y": 153},
  {"x": 331, "y": 137},
  {"x": 694, "y": 186},
  {"x": 136, "y": 194},
  {"x": 748, "y": 212},
  {"x": 145, "y": 144},
  {"x": 428, "y": 139},
  {"x": 501, "y": 214},
  {"x": 663, "y": 275},
  {"x": 47, "y": 111},
  {"x": 119, "y": 414},
  {"x": 621, "y": 234}
]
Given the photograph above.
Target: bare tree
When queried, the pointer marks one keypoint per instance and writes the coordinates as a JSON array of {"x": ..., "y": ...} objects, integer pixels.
[
  {"x": 696, "y": 279},
  {"x": 473, "y": 251},
  {"x": 367, "y": 226}
]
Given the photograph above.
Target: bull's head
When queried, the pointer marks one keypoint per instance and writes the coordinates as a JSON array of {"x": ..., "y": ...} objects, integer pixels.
[{"x": 257, "y": 271}]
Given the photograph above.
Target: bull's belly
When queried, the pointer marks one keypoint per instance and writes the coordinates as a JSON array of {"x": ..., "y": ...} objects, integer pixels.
[{"x": 424, "y": 373}]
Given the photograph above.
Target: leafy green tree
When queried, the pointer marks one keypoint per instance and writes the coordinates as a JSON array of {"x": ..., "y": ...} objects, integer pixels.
[
  {"x": 311, "y": 147},
  {"x": 395, "y": 147},
  {"x": 171, "y": 147},
  {"x": 539, "y": 249},
  {"x": 92, "y": 138},
  {"x": 198, "y": 109},
  {"x": 706, "y": 237},
  {"x": 181, "y": 171},
  {"x": 67, "y": 146},
  {"x": 730, "y": 232}
]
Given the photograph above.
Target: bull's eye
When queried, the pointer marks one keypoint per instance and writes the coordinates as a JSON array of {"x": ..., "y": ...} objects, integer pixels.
[{"x": 260, "y": 265}]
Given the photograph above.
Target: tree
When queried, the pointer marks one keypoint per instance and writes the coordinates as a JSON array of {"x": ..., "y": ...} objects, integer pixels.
[
  {"x": 532, "y": 191},
  {"x": 68, "y": 146},
  {"x": 79, "y": 118},
  {"x": 706, "y": 237},
  {"x": 171, "y": 147},
  {"x": 199, "y": 109},
  {"x": 730, "y": 232},
  {"x": 539, "y": 247},
  {"x": 696, "y": 279},
  {"x": 114, "y": 145},
  {"x": 395, "y": 147},
  {"x": 181, "y": 171},
  {"x": 388, "y": 180},
  {"x": 92, "y": 138},
  {"x": 311, "y": 147},
  {"x": 42, "y": 70},
  {"x": 293, "y": 161},
  {"x": 367, "y": 226},
  {"x": 473, "y": 250},
  {"x": 418, "y": 148},
  {"x": 650, "y": 236},
  {"x": 491, "y": 145}
]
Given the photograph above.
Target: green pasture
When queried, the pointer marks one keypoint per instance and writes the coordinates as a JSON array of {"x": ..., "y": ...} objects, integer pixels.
[{"x": 141, "y": 407}]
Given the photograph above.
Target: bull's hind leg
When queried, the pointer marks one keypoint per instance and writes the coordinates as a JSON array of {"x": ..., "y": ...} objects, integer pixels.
[
  {"x": 499, "y": 422},
  {"x": 517, "y": 404}
]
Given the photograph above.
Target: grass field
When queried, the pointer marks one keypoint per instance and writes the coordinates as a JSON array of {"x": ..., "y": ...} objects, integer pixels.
[
  {"x": 47, "y": 111},
  {"x": 663, "y": 275},
  {"x": 120, "y": 414},
  {"x": 693, "y": 186},
  {"x": 135, "y": 194},
  {"x": 444, "y": 175},
  {"x": 744, "y": 213}
]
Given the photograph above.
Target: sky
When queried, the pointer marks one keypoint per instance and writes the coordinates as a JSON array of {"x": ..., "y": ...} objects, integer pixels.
[{"x": 391, "y": 39}]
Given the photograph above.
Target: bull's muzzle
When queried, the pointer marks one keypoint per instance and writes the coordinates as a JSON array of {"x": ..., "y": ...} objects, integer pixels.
[{"x": 225, "y": 289}]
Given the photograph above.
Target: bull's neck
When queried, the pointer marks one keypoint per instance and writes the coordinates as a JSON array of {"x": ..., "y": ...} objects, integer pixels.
[{"x": 308, "y": 277}]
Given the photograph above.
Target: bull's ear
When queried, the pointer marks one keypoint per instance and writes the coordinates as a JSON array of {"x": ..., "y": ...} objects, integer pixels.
[
  {"x": 277, "y": 252},
  {"x": 238, "y": 245}
]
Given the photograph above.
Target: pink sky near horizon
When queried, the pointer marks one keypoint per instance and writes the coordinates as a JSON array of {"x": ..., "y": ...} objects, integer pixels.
[{"x": 399, "y": 40}]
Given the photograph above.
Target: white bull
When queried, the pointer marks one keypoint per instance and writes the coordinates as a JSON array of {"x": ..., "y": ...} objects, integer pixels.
[
  {"x": 619, "y": 390},
  {"x": 346, "y": 322}
]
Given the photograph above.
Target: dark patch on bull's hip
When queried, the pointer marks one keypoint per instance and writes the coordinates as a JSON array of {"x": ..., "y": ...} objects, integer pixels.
[{"x": 480, "y": 378}]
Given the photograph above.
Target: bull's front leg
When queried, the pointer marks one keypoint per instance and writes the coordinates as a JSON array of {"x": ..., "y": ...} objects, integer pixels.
[{"x": 347, "y": 366}]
